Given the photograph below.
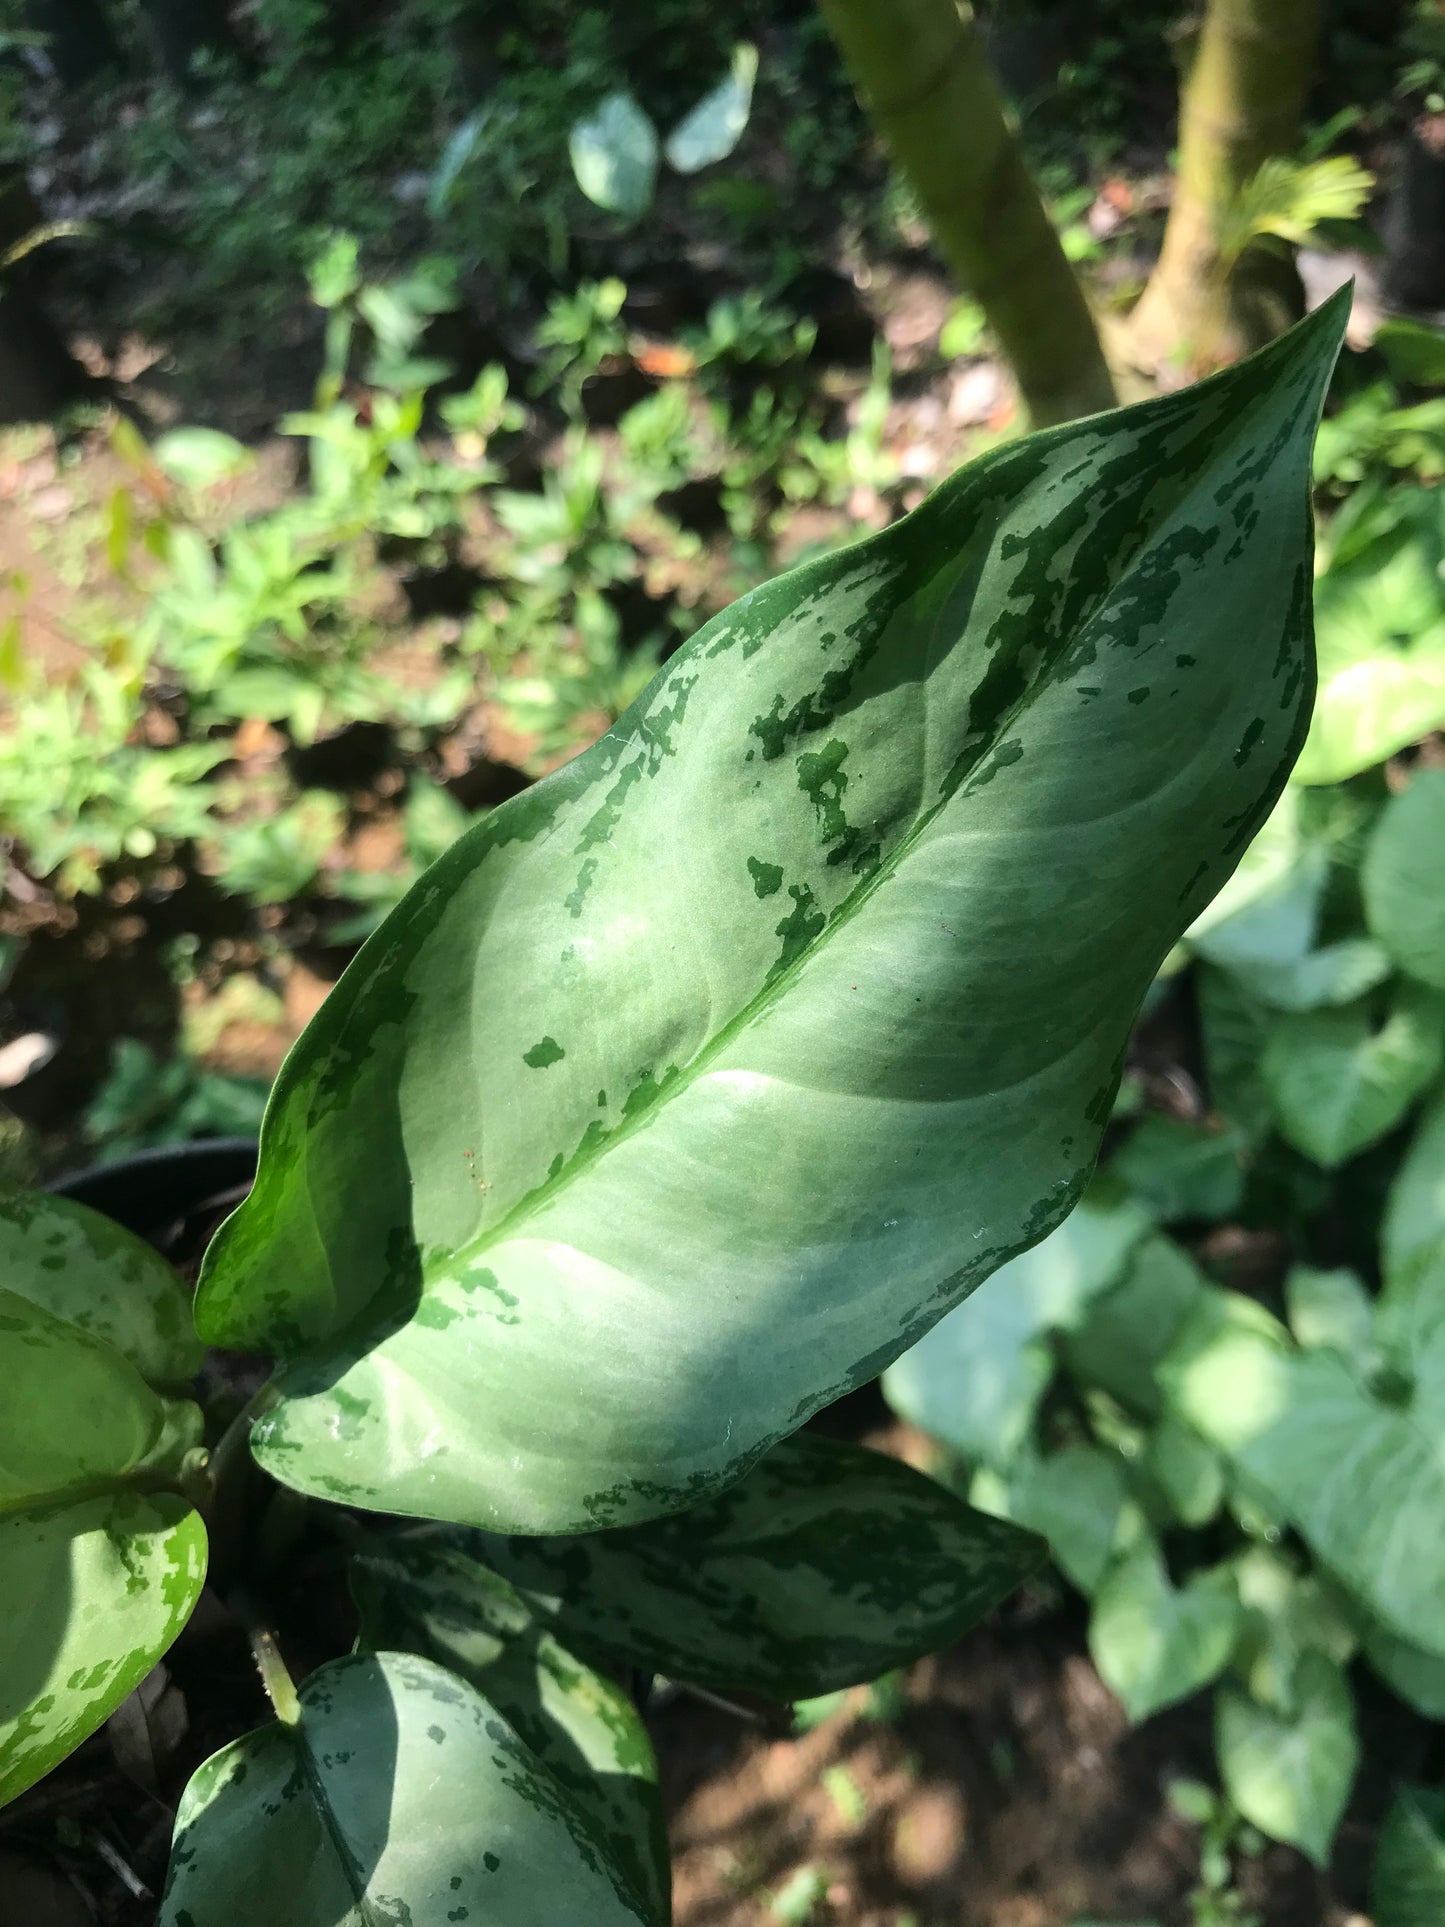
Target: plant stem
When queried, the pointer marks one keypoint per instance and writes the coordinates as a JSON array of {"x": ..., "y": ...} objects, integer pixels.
[
  {"x": 279, "y": 1685},
  {"x": 226, "y": 1478},
  {"x": 920, "y": 68},
  {"x": 1241, "y": 103}
]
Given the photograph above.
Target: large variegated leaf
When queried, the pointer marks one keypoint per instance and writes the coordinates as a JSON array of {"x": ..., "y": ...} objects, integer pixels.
[
  {"x": 98, "y": 1569},
  {"x": 696, "y": 1083},
  {"x": 399, "y": 1796},
  {"x": 429, "y": 1597},
  {"x": 92, "y": 1273},
  {"x": 91, "y": 1596},
  {"x": 826, "y": 1566}
]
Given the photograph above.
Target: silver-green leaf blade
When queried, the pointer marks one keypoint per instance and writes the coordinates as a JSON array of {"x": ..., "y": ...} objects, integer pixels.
[
  {"x": 400, "y": 1796},
  {"x": 91, "y": 1596},
  {"x": 827, "y": 1566},
  {"x": 93, "y": 1273},
  {"x": 740, "y": 1050},
  {"x": 419, "y": 1595}
]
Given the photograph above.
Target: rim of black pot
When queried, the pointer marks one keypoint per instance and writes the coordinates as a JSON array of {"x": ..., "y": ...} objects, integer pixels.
[{"x": 150, "y": 1191}]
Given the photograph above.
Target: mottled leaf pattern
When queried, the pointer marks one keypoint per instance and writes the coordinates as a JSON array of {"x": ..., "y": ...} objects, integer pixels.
[
  {"x": 826, "y": 1566},
  {"x": 73, "y": 1262},
  {"x": 91, "y": 1596},
  {"x": 428, "y": 1597},
  {"x": 98, "y": 1571},
  {"x": 693, "y": 1085},
  {"x": 401, "y": 1799}
]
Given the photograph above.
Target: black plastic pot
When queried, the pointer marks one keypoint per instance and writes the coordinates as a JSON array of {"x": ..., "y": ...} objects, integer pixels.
[{"x": 172, "y": 1197}]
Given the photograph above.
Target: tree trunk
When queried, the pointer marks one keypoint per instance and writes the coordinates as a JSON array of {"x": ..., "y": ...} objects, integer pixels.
[
  {"x": 920, "y": 69},
  {"x": 1242, "y": 100}
]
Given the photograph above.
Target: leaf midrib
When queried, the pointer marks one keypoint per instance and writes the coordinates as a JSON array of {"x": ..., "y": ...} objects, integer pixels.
[{"x": 751, "y": 1011}]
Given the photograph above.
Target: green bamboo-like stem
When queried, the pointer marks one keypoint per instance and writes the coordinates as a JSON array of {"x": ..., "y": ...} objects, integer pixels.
[
  {"x": 920, "y": 70},
  {"x": 1242, "y": 100}
]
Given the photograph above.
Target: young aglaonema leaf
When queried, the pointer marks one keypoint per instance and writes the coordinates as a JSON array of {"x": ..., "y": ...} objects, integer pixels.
[
  {"x": 399, "y": 1795},
  {"x": 97, "y": 1576},
  {"x": 696, "y": 1083},
  {"x": 436, "y": 1600},
  {"x": 826, "y": 1566}
]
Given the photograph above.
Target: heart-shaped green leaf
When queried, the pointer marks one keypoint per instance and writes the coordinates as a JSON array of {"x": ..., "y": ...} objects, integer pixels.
[
  {"x": 697, "y": 1082},
  {"x": 91, "y": 1595},
  {"x": 1357, "y": 1471},
  {"x": 614, "y": 156},
  {"x": 1155, "y": 1643},
  {"x": 431, "y": 1598},
  {"x": 1381, "y": 646},
  {"x": 400, "y": 1795},
  {"x": 1401, "y": 878},
  {"x": 1408, "y": 1885},
  {"x": 1337, "y": 1081},
  {"x": 1129, "y": 1329},
  {"x": 1414, "y": 1224},
  {"x": 95, "y": 1275},
  {"x": 1078, "y": 1499},
  {"x": 1290, "y": 1773},
  {"x": 828, "y": 1565}
]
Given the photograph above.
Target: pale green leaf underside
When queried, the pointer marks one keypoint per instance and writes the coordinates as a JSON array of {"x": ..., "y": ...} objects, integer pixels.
[
  {"x": 427, "y": 1597},
  {"x": 827, "y": 1566},
  {"x": 696, "y": 1083},
  {"x": 402, "y": 1796},
  {"x": 1289, "y": 1773},
  {"x": 94, "y": 1274},
  {"x": 91, "y": 1596}
]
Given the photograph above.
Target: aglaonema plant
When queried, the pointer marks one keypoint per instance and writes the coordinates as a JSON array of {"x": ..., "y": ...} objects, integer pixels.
[{"x": 675, "y": 1101}]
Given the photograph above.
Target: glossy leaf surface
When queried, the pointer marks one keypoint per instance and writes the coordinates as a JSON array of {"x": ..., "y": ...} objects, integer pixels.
[
  {"x": 827, "y": 1566},
  {"x": 696, "y": 1083},
  {"x": 91, "y": 1596},
  {"x": 1290, "y": 1772},
  {"x": 428, "y": 1597},
  {"x": 401, "y": 1796},
  {"x": 89, "y": 1271},
  {"x": 1338, "y": 1080}
]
